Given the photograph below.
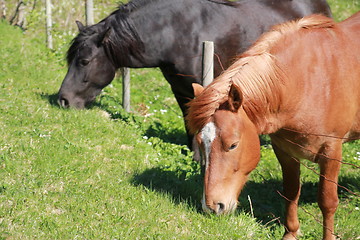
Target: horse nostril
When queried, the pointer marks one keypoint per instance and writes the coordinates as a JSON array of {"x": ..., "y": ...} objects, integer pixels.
[
  {"x": 63, "y": 102},
  {"x": 221, "y": 208}
]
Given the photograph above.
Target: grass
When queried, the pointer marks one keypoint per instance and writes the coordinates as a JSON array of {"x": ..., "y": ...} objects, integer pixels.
[{"x": 103, "y": 173}]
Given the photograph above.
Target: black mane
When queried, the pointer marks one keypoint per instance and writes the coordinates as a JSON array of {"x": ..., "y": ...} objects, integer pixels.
[
  {"x": 123, "y": 39},
  {"x": 225, "y": 2},
  {"x": 135, "y": 4}
]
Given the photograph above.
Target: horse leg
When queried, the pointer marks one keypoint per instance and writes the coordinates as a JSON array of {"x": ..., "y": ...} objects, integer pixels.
[
  {"x": 182, "y": 89},
  {"x": 291, "y": 184},
  {"x": 328, "y": 200},
  {"x": 182, "y": 103}
]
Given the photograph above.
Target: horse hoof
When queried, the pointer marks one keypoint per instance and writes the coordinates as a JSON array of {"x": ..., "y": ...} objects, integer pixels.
[{"x": 291, "y": 235}]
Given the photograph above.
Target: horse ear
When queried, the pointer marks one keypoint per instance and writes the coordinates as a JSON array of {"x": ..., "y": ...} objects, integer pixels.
[
  {"x": 104, "y": 36},
  {"x": 198, "y": 89},
  {"x": 80, "y": 26},
  {"x": 235, "y": 98}
]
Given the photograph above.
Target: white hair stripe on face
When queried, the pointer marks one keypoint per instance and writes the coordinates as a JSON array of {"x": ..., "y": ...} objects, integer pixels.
[{"x": 208, "y": 134}]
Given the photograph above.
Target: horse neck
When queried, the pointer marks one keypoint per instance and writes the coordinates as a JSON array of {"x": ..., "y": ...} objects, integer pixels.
[
  {"x": 269, "y": 118},
  {"x": 155, "y": 23},
  {"x": 151, "y": 30},
  {"x": 160, "y": 32},
  {"x": 263, "y": 95},
  {"x": 266, "y": 122},
  {"x": 138, "y": 24},
  {"x": 124, "y": 48}
]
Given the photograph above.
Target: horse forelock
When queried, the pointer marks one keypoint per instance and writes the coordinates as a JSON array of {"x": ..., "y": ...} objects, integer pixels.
[
  {"x": 256, "y": 73},
  {"x": 203, "y": 107},
  {"x": 78, "y": 41}
]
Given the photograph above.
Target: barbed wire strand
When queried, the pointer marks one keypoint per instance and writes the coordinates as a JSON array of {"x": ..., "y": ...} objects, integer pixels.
[
  {"x": 325, "y": 178},
  {"x": 321, "y": 154},
  {"x": 321, "y": 135},
  {"x": 317, "y": 173}
]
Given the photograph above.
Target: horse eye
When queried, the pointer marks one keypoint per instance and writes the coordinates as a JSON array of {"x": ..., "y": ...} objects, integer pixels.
[
  {"x": 233, "y": 146},
  {"x": 84, "y": 62}
]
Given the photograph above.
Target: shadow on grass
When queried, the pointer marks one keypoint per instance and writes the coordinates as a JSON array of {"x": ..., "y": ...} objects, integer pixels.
[
  {"x": 266, "y": 202},
  {"x": 174, "y": 136},
  {"x": 177, "y": 186},
  {"x": 261, "y": 198},
  {"x": 153, "y": 129},
  {"x": 51, "y": 98},
  {"x": 156, "y": 129}
]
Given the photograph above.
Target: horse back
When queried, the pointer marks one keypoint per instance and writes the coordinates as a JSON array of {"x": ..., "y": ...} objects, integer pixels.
[
  {"x": 351, "y": 25},
  {"x": 299, "y": 8},
  {"x": 342, "y": 59},
  {"x": 322, "y": 64}
]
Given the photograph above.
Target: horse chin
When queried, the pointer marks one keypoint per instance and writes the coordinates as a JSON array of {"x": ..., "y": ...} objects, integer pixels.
[
  {"x": 89, "y": 103},
  {"x": 79, "y": 105},
  {"x": 82, "y": 104}
]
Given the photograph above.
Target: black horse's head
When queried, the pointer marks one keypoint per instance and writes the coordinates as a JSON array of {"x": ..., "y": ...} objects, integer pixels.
[{"x": 90, "y": 68}]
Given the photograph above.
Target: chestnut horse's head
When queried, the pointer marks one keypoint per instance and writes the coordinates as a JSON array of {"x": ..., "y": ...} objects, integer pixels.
[{"x": 230, "y": 150}]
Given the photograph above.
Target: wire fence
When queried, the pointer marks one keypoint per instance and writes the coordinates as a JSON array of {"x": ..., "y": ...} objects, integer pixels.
[{"x": 341, "y": 161}]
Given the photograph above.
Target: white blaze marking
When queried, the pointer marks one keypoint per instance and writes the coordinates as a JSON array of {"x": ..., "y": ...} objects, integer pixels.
[{"x": 208, "y": 134}]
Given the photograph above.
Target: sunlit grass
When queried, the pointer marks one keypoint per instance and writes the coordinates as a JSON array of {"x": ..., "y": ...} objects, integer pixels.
[{"x": 103, "y": 173}]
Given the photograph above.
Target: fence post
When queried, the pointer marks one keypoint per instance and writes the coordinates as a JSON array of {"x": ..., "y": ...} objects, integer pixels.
[
  {"x": 3, "y": 9},
  {"x": 89, "y": 12},
  {"x": 49, "y": 39},
  {"x": 126, "y": 88},
  {"x": 208, "y": 63}
]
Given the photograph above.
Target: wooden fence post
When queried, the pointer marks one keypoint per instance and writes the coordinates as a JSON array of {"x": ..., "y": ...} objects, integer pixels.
[
  {"x": 18, "y": 19},
  {"x": 3, "y": 9},
  {"x": 89, "y": 12},
  {"x": 207, "y": 63},
  {"x": 49, "y": 39},
  {"x": 126, "y": 88},
  {"x": 207, "y": 73}
]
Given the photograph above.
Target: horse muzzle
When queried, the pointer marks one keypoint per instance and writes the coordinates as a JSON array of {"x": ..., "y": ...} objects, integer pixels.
[
  {"x": 219, "y": 207},
  {"x": 68, "y": 102}
]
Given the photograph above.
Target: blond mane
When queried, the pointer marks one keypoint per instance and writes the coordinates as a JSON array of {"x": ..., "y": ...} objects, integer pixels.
[{"x": 256, "y": 73}]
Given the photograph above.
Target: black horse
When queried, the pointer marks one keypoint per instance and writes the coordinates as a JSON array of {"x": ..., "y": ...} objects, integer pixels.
[{"x": 168, "y": 34}]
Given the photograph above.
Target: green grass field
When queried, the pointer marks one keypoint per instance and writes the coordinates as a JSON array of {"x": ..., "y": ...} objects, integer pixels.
[{"x": 102, "y": 173}]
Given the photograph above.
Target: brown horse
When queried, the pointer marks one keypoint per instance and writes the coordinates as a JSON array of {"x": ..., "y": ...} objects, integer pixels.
[{"x": 300, "y": 83}]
